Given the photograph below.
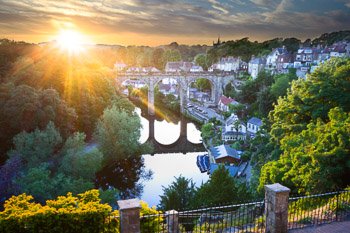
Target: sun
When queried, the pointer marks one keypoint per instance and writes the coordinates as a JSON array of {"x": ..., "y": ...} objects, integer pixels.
[{"x": 70, "y": 40}]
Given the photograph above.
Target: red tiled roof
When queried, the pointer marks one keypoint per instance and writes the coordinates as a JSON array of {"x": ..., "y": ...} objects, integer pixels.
[{"x": 226, "y": 100}]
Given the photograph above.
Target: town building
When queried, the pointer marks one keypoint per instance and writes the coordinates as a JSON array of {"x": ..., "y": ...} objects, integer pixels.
[
  {"x": 284, "y": 63},
  {"x": 234, "y": 129},
  {"x": 253, "y": 125},
  {"x": 120, "y": 66},
  {"x": 196, "y": 69},
  {"x": 256, "y": 65},
  {"x": 224, "y": 103},
  {"x": 225, "y": 154},
  {"x": 271, "y": 59},
  {"x": 175, "y": 67}
]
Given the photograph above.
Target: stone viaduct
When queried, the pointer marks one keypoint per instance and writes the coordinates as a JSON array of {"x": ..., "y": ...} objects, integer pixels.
[{"x": 218, "y": 83}]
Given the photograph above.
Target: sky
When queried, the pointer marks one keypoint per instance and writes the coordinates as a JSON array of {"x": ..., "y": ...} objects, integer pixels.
[{"x": 157, "y": 22}]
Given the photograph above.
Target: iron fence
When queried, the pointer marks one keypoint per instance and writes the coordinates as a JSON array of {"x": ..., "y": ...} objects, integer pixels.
[
  {"x": 248, "y": 217},
  {"x": 318, "y": 209},
  {"x": 153, "y": 223}
]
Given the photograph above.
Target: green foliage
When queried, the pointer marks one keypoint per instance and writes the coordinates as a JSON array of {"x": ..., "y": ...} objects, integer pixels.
[
  {"x": 83, "y": 213},
  {"x": 171, "y": 55},
  {"x": 38, "y": 146},
  {"x": 221, "y": 188},
  {"x": 79, "y": 162},
  {"x": 309, "y": 99},
  {"x": 117, "y": 134},
  {"x": 178, "y": 195},
  {"x": 25, "y": 108},
  {"x": 282, "y": 83},
  {"x": 52, "y": 168},
  {"x": 201, "y": 60},
  {"x": 316, "y": 159},
  {"x": 207, "y": 131},
  {"x": 202, "y": 84},
  {"x": 150, "y": 224}
]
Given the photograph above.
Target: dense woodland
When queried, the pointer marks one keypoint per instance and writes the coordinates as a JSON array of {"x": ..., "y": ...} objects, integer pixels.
[{"x": 65, "y": 127}]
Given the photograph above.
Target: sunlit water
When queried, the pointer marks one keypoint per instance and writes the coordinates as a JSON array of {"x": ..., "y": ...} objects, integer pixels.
[{"x": 167, "y": 166}]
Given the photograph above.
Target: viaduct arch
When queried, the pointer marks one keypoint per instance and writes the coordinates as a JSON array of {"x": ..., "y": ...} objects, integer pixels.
[{"x": 183, "y": 80}]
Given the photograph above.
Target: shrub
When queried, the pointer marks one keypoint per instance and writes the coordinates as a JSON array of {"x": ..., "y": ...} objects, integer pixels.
[{"x": 83, "y": 213}]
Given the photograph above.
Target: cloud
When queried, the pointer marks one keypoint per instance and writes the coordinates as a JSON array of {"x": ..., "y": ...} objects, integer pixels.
[
  {"x": 260, "y": 19},
  {"x": 218, "y": 6}
]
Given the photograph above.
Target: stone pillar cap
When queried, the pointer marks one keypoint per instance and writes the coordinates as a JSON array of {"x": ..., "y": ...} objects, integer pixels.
[
  {"x": 277, "y": 188},
  {"x": 171, "y": 212},
  {"x": 129, "y": 204}
]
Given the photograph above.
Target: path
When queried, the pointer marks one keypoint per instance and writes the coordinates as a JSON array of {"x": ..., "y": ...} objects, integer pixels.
[{"x": 334, "y": 227}]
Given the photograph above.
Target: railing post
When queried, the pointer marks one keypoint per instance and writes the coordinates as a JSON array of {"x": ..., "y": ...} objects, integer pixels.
[
  {"x": 172, "y": 220},
  {"x": 276, "y": 208},
  {"x": 129, "y": 215}
]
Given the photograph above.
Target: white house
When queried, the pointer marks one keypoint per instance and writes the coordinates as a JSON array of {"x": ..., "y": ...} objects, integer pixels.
[
  {"x": 224, "y": 102},
  {"x": 196, "y": 69},
  {"x": 255, "y": 65},
  {"x": 119, "y": 66},
  {"x": 271, "y": 59},
  {"x": 234, "y": 129},
  {"x": 173, "y": 67},
  {"x": 253, "y": 125}
]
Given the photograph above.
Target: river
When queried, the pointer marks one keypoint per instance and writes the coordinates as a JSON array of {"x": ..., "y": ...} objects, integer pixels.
[{"x": 166, "y": 166}]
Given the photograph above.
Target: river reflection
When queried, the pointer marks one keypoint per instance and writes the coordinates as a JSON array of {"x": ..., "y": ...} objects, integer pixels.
[{"x": 167, "y": 166}]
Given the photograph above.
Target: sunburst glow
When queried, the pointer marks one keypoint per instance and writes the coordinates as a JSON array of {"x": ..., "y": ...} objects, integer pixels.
[{"x": 71, "y": 41}]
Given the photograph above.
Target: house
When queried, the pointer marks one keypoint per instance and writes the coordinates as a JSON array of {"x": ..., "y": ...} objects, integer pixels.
[
  {"x": 225, "y": 154},
  {"x": 228, "y": 64},
  {"x": 224, "y": 102},
  {"x": 120, "y": 66},
  {"x": 202, "y": 96},
  {"x": 284, "y": 62},
  {"x": 213, "y": 67},
  {"x": 271, "y": 59},
  {"x": 174, "y": 67},
  {"x": 255, "y": 65},
  {"x": 253, "y": 125},
  {"x": 234, "y": 129},
  {"x": 196, "y": 69},
  {"x": 306, "y": 57}
]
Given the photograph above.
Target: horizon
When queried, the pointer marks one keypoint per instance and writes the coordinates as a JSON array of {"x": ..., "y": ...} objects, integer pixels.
[
  {"x": 180, "y": 44},
  {"x": 155, "y": 23}
]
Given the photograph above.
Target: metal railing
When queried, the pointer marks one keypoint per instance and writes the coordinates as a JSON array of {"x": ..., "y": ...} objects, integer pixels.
[
  {"x": 318, "y": 209},
  {"x": 248, "y": 217}
]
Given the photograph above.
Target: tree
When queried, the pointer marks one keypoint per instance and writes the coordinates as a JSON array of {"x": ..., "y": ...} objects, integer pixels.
[
  {"x": 201, "y": 60},
  {"x": 48, "y": 166},
  {"x": 37, "y": 147},
  {"x": 221, "y": 188},
  {"x": 207, "y": 131},
  {"x": 178, "y": 195},
  {"x": 309, "y": 99},
  {"x": 282, "y": 83},
  {"x": 171, "y": 55},
  {"x": 202, "y": 84},
  {"x": 117, "y": 134},
  {"x": 79, "y": 161},
  {"x": 23, "y": 108},
  {"x": 315, "y": 160}
]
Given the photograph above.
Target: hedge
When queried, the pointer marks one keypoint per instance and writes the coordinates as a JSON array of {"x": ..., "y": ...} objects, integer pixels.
[{"x": 83, "y": 213}]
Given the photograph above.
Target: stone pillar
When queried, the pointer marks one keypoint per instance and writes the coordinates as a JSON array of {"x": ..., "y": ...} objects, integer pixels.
[
  {"x": 276, "y": 208},
  {"x": 151, "y": 110},
  {"x": 172, "y": 220},
  {"x": 183, "y": 97},
  {"x": 129, "y": 215},
  {"x": 151, "y": 128}
]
